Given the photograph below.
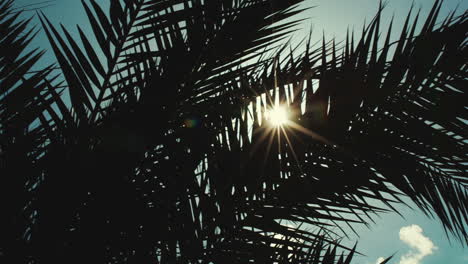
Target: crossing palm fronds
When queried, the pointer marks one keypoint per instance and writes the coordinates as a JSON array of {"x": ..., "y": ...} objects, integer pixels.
[
  {"x": 373, "y": 120},
  {"x": 367, "y": 123},
  {"x": 166, "y": 151},
  {"x": 26, "y": 99}
]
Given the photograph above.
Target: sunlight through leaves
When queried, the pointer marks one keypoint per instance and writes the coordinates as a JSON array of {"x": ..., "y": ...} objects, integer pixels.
[{"x": 277, "y": 116}]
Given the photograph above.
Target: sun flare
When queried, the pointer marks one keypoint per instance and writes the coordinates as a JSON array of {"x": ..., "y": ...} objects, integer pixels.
[{"x": 277, "y": 116}]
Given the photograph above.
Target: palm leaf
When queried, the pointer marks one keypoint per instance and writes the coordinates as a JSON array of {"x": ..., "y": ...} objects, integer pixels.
[
  {"x": 370, "y": 122},
  {"x": 165, "y": 155},
  {"x": 25, "y": 100}
]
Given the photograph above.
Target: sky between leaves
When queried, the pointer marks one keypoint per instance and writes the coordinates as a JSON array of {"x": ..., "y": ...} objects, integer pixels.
[{"x": 415, "y": 239}]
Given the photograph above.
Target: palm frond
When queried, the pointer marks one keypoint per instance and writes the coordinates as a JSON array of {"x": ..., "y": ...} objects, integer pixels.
[
  {"x": 108, "y": 101},
  {"x": 375, "y": 120},
  {"x": 164, "y": 152},
  {"x": 25, "y": 99}
]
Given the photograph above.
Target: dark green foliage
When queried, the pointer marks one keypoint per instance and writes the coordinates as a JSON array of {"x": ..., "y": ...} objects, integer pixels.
[
  {"x": 24, "y": 99},
  {"x": 163, "y": 154}
]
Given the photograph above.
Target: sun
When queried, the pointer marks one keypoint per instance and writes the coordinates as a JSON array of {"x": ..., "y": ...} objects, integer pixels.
[{"x": 277, "y": 116}]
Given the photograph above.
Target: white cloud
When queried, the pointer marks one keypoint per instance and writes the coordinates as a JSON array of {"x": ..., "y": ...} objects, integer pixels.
[
  {"x": 421, "y": 246},
  {"x": 380, "y": 260}
]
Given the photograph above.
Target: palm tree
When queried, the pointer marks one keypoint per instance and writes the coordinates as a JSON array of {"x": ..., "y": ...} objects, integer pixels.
[{"x": 156, "y": 144}]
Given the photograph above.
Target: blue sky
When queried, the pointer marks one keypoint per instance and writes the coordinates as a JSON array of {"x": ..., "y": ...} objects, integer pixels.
[{"x": 333, "y": 17}]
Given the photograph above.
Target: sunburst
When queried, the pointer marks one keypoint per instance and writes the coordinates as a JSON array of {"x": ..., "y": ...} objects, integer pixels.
[
  {"x": 281, "y": 123},
  {"x": 277, "y": 116}
]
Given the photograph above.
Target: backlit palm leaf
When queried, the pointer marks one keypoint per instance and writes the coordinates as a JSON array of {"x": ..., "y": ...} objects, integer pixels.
[
  {"x": 25, "y": 99},
  {"x": 369, "y": 123},
  {"x": 165, "y": 155}
]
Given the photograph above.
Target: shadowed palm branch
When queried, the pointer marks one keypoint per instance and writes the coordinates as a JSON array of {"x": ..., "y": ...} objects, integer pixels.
[{"x": 160, "y": 150}]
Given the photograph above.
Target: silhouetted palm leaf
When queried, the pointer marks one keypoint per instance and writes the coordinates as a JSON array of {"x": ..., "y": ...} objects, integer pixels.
[
  {"x": 388, "y": 121},
  {"x": 164, "y": 153},
  {"x": 25, "y": 99}
]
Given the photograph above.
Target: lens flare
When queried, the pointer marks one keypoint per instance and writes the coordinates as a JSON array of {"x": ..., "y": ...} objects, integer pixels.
[{"x": 277, "y": 116}]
